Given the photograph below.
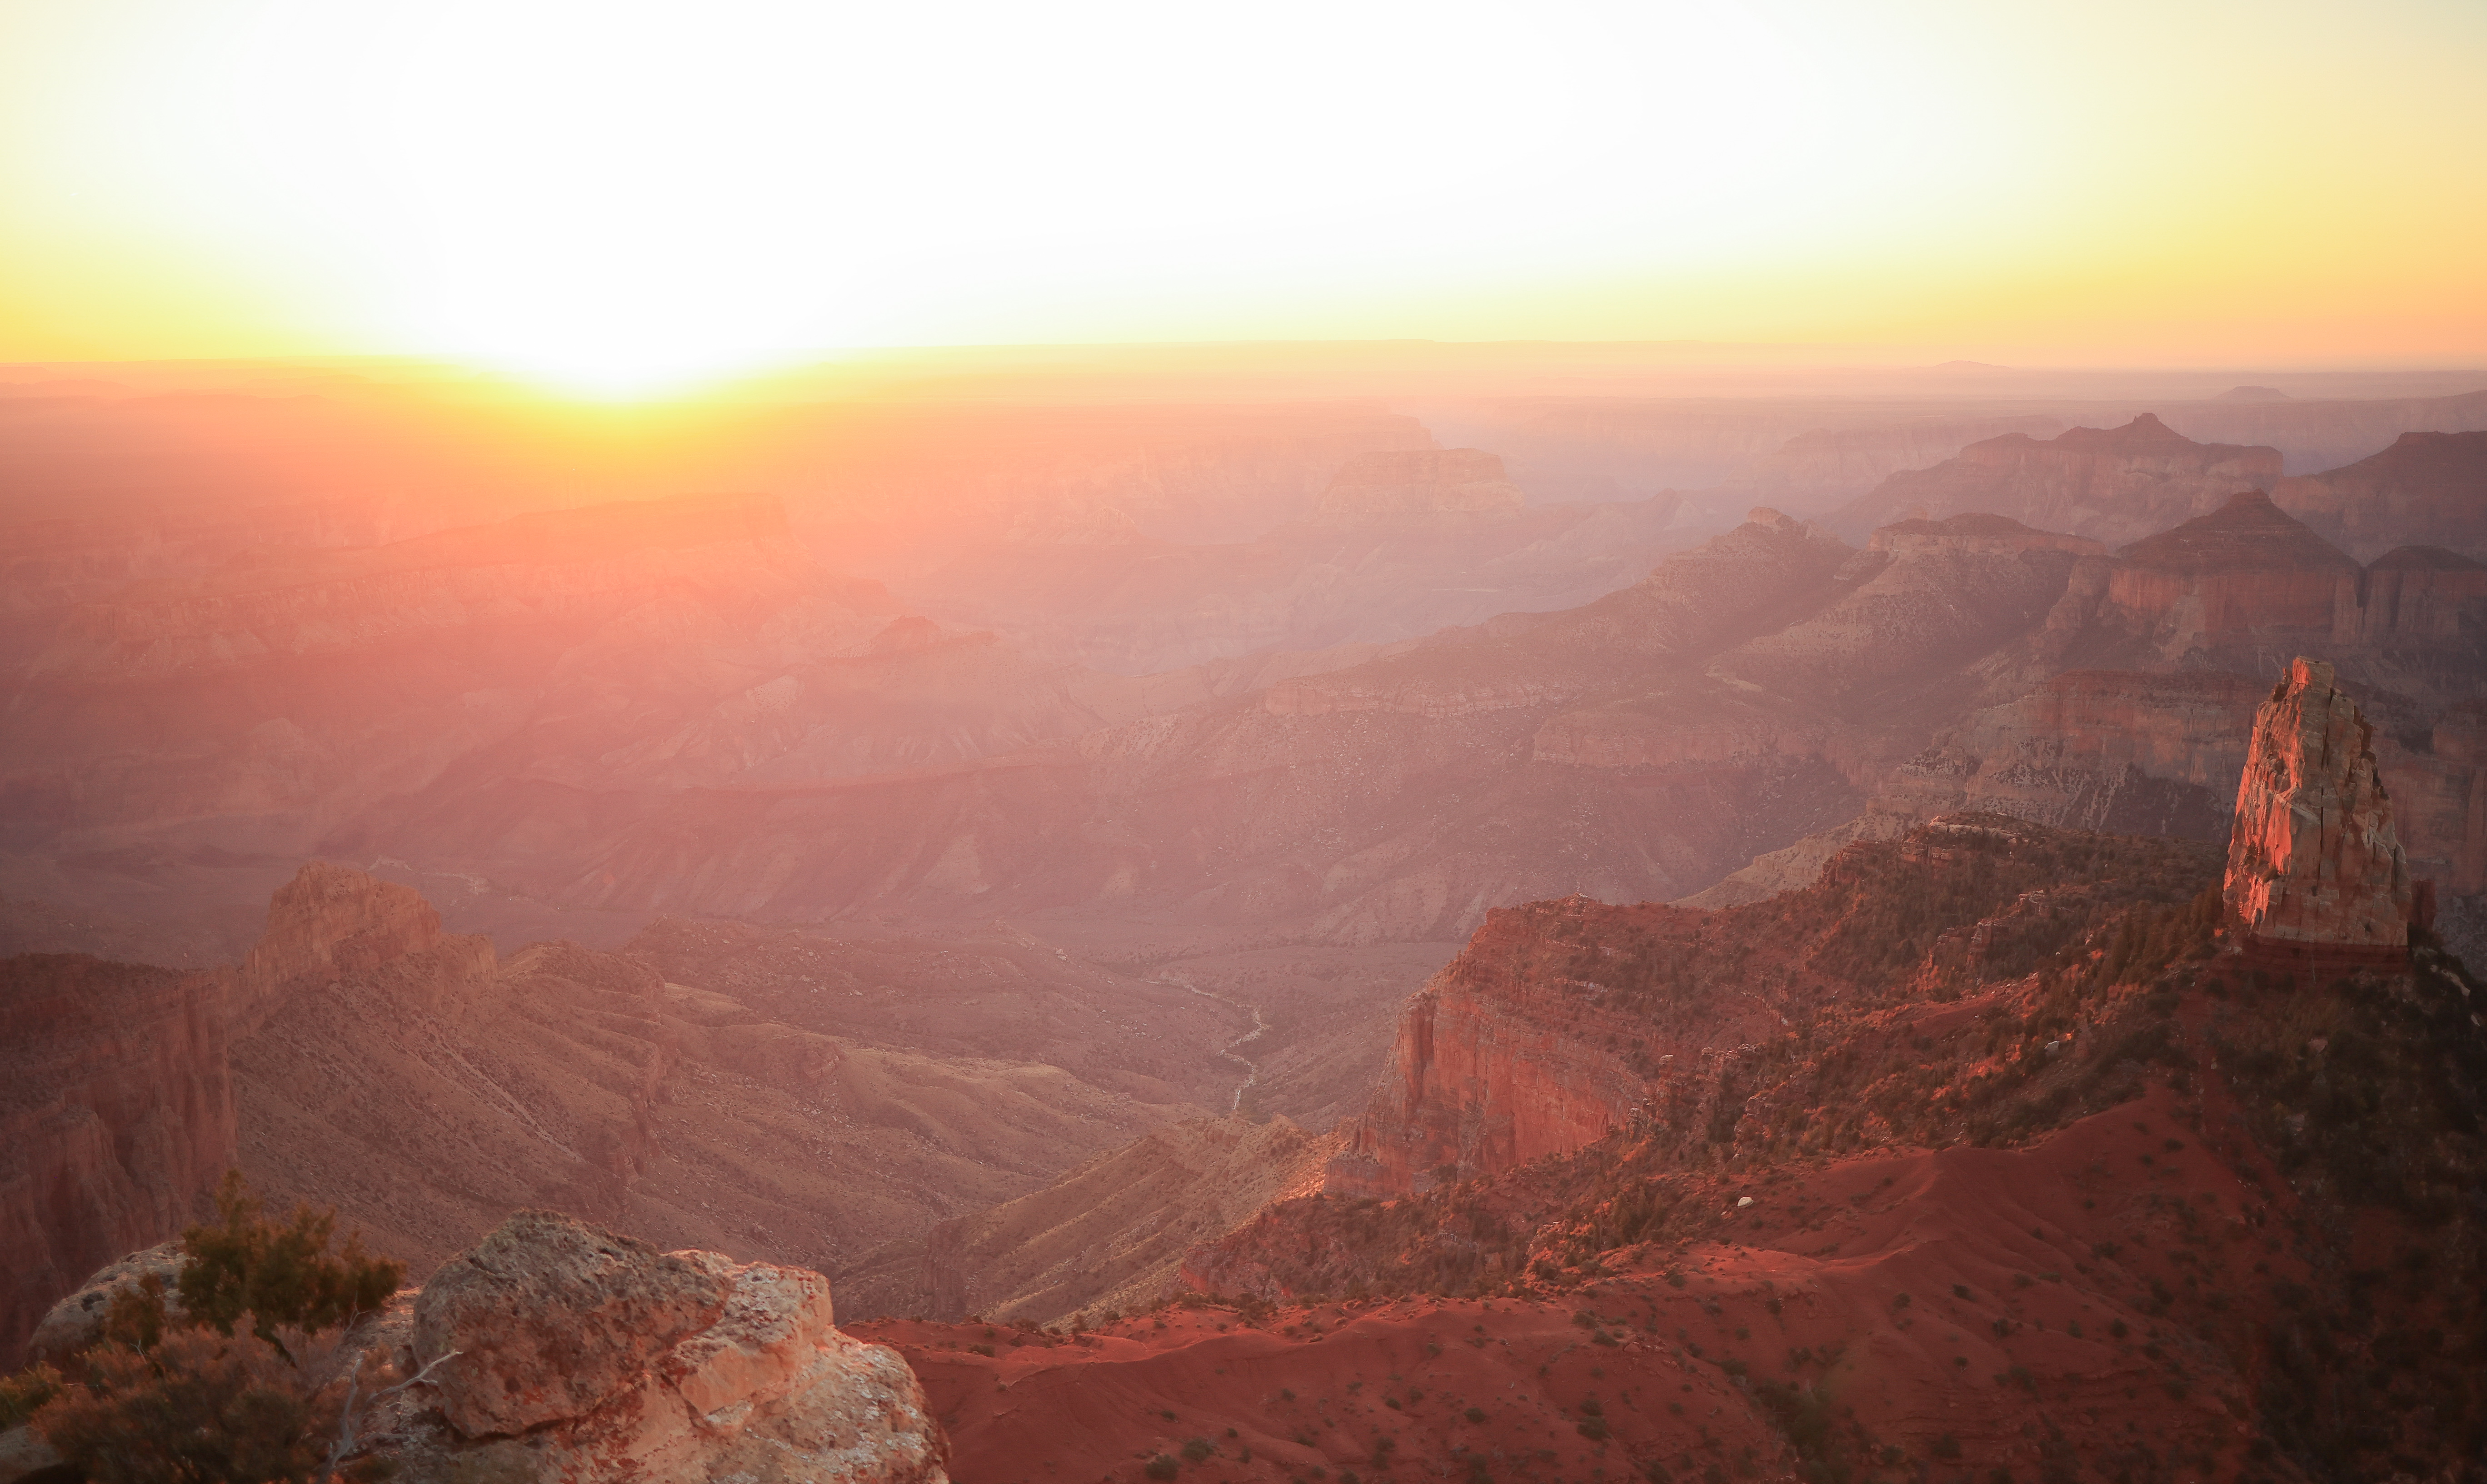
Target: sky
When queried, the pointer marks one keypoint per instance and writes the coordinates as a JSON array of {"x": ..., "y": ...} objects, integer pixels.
[{"x": 625, "y": 194}]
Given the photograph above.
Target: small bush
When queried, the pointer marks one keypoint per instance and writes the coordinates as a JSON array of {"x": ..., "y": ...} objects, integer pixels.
[
  {"x": 160, "y": 1400},
  {"x": 24, "y": 1394},
  {"x": 1594, "y": 1429},
  {"x": 199, "y": 1406},
  {"x": 280, "y": 1272},
  {"x": 1197, "y": 1450},
  {"x": 1162, "y": 1467},
  {"x": 1946, "y": 1447}
]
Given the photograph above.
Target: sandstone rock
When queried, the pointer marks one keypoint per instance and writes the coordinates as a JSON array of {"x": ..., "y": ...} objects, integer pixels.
[
  {"x": 552, "y": 1318},
  {"x": 1500, "y": 1061},
  {"x": 2417, "y": 593},
  {"x": 2314, "y": 862},
  {"x": 587, "y": 1358},
  {"x": 2244, "y": 574}
]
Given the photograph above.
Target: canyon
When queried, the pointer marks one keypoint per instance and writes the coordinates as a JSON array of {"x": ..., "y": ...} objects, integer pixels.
[
  {"x": 2110, "y": 484},
  {"x": 1404, "y": 911},
  {"x": 423, "y": 1085}
]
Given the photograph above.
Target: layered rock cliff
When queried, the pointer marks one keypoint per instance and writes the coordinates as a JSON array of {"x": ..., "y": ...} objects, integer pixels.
[
  {"x": 2244, "y": 572},
  {"x": 1564, "y": 1020},
  {"x": 2110, "y": 484},
  {"x": 116, "y": 1120},
  {"x": 1505, "y": 1056},
  {"x": 2425, "y": 490},
  {"x": 2314, "y": 864}
]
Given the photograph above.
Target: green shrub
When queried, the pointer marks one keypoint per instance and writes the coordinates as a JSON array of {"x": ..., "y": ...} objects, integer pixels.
[
  {"x": 165, "y": 1399},
  {"x": 281, "y": 1273},
  {"x": 22, "y": 1394},
  {"x": 1162, "y": 1467}
]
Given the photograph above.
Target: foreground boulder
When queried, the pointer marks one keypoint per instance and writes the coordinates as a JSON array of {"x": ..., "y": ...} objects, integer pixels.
[
  {"x": 563, "y": 1354},
  {"x": 2316, "y": 867}
]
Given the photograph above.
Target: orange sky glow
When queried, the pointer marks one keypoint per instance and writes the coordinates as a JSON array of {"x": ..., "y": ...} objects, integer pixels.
[{"x": 623, "y": 196}]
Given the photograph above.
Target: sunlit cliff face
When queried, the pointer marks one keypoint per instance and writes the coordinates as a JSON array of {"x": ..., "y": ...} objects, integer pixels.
[{"x": 621, "y": 199}]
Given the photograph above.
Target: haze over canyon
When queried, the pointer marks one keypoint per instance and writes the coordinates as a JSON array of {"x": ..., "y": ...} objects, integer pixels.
[{"x": 1324, "y": 921}]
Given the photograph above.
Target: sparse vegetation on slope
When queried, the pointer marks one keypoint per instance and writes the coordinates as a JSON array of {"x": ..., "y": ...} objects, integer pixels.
[{"x": 241, "y": 1381}]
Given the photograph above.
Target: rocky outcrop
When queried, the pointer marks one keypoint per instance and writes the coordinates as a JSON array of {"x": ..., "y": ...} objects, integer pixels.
[
  {"x": 2427, "y": 489},
  {"x": 560, "y": 1353},
  {"x": 1515, "y": 1051},
  {"x": 2314, "y": 864},
  {"x": 565, "y": 1353},
  {"x": 116, "y": 1120},
  {"x": 75, "y": 1323},
  {"x": 2110, "y": 484},
  {"x": 333, "y": 922},
  {"x": 1415, "y": 483}
]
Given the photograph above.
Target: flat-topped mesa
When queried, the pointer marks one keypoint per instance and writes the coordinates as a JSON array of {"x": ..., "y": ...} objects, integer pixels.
[
  {"x": 1403, "y": 482},
  {"x": 2315, "y": 869},
  {"x": 2247, "y": 572}
]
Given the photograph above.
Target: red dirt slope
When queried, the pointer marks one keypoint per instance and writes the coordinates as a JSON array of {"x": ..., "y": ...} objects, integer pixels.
[{"x": 1970, "y": 1309}]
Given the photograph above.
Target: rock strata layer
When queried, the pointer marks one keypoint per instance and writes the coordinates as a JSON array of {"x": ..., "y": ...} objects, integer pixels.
[{"x": 2314, "y": 862}]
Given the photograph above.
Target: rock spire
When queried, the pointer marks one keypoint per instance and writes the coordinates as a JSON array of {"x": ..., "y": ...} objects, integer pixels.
[{"x": 2314, "y": 864}]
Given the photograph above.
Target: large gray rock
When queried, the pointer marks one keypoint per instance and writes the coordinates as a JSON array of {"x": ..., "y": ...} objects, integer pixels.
[
  {"x": 585, "y": 1358},
  {"x": 552, "y": 1318}
]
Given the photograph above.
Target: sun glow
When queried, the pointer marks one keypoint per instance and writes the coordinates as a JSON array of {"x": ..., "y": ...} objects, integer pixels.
[{"x": 621, "y": 198}]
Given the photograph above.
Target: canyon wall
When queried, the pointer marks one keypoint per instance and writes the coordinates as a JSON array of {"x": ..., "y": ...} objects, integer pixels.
[
  {"x": 1513, "y": 1050},
  {"x": 2110, "y": 484},
  {"x": 2426, "y": 489},
  {"x": 116, "y": 1120}
]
